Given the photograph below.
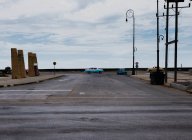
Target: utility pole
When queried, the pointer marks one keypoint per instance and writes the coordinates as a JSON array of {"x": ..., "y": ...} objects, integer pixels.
[
  {"x": 176, "y": 35},
  {"x": 176, "y": 40},
  {"x": 167, "y": 40},
  {"x": 157, "y": 15},
  {"x": 157, "y": 77},
  {"x": 158, "y": 36},
  {"x": 133, "y": 72}
]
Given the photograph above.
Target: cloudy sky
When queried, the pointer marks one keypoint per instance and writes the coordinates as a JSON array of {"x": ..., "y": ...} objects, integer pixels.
[{"x": 89, "y": 33}]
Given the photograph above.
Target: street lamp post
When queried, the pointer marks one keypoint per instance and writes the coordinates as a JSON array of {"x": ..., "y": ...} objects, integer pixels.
[
  {"x": 130, "y": 14},
  {"x": 157, "y": 15}
]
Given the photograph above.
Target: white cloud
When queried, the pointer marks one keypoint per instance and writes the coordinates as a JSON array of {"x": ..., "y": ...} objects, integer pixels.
[{"x": 79, "y": 32}]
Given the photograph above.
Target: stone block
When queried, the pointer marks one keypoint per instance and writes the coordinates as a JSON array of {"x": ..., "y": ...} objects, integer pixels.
[
  {"x": 14, "y": 63},
  {"x": 31, "y": 71},
  {"x": 21, "y": 64}
]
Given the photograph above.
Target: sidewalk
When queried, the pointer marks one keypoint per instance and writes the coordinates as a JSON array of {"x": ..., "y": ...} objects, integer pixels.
[
  {"x": 7, "y": 81},
  {"x": 184, "y": 80}
]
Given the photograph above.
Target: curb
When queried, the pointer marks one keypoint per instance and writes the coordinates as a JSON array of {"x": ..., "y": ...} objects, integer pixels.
[
  {"x": 178, "y": 86},
  {"x": 171, "y": 85},
  {"x": 29, "y": 82},
  {"x": 181, "y": 87}
]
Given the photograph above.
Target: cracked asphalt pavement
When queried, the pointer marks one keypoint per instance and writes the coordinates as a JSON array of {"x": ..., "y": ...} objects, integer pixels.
[{"x": 94, "y": 106}]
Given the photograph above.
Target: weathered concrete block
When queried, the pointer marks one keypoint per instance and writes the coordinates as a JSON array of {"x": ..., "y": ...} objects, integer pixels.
[
  {"x": 21, "y": 64},
  {"x": 14, "y": 63},
  {"x": 36, "y": 65},
  {"x": 31, "y": 71}
]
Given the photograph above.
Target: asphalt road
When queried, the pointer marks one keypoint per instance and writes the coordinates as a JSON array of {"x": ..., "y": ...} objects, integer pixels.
[{"x": 94, "y": 107}]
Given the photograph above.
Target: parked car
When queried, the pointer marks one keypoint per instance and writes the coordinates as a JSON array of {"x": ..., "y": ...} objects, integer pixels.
[
  {"x": 7, "y": 70},
  {"x": 121, "y": 71},
  {"x": 94, "y": 70}
]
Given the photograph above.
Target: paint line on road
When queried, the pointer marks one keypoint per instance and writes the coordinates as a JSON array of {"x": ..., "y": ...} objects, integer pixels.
[
  {"x": 104, "y": 97},
  {"x": 82, "y": 93},
  {"x": 63, "y": 80},
  {"x": 36, "y": 90}
]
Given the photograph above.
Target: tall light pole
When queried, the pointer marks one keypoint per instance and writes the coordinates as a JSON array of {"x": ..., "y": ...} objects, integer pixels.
[
  {"x": 157, "y": 15},
  {"x": 130, "y": 14},
  {"x": 176, "y": 40},
  {"x": 167, "y": 40}
]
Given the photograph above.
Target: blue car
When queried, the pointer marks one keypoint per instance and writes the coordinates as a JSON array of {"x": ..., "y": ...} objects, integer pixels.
[
  {"x": 121, "y": 71},
  {"x": 94, "y": 70}
]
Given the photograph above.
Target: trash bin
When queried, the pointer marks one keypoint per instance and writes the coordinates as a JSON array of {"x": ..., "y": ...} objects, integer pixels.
[{"x": 157, "y": 77}]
